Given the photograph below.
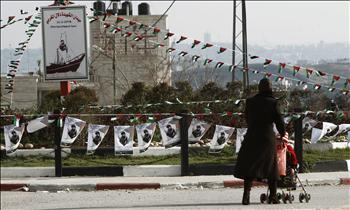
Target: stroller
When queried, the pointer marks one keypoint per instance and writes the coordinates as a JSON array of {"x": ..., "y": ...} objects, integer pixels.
[{"x": 288, "y": 170}]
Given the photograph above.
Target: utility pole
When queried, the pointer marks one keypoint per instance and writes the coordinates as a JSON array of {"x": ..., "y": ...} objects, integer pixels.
[
  {"x": 234, "y": 39},
  {"x": 243, "y": 50},
  {"x": 113, "y": 67}
]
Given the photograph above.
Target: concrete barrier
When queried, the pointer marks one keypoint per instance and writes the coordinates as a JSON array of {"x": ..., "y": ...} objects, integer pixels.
[
  {"x": 39, "y": 152},
  {"x": 326, "y": 146},
  {"x": 27, "y": 171},
  {"x": 152, "y": 170}
]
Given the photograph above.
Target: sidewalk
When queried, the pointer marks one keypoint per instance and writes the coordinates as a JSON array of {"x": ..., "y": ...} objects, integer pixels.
[{"x": 131, "y": 183}]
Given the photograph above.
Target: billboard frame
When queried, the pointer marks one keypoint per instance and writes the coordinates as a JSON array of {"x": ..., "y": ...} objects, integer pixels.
[{"x": 85, "y": 77}]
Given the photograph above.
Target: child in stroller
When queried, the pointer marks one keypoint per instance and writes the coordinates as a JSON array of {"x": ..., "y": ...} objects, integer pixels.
[{"x": 288, "y": 174}]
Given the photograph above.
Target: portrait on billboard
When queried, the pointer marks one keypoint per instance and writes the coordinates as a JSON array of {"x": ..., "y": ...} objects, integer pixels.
[{"x": 64, "y": 43}]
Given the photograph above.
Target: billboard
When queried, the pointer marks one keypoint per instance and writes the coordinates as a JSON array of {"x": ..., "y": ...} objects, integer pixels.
[{"x": 64, "y": 43}]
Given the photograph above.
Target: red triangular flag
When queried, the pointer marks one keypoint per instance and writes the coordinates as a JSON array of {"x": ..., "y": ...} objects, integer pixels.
[
  {"x": 221, "y": 50},
  {"x": 195, "y": 42}
]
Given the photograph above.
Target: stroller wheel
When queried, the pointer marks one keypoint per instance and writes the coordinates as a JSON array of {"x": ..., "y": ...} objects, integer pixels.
[
  {"x": 301, "y": 197},
  {"x": 290, "y": 198},
  {"x": 263, "y": 197},
  {"x": 307, "y": 197},
  {"x": 284, "y": 197},
  {"x": 279, "y": 196}
]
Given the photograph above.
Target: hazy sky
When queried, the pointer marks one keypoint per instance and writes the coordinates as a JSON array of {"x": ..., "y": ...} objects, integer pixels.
[{"x": 269, "y": 23}]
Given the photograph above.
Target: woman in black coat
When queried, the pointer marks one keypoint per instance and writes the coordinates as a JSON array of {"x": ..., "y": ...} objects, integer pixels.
[{"x": 257, "y": 157}]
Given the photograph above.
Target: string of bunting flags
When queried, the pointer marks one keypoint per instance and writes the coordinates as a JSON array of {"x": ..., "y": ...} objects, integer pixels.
[
  {"x": 308, "y": 71},
  {"x": 114, "y": 28},
  {"x": 169, "y": 130},
  {"x": 12, "y": 19},
  {"x": 19, "y": 51}
]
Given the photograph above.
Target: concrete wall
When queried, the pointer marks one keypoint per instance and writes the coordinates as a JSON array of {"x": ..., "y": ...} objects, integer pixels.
[
  {"x": 135, "y": 61},
  {"x": 25, "y": 91}
]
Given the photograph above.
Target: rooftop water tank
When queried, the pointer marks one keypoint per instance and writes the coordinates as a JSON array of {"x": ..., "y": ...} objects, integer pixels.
[
  {"x": 125, "y": 5},
  {"x": 99, "y": 8},
  {"x": 144, "y": 9}
]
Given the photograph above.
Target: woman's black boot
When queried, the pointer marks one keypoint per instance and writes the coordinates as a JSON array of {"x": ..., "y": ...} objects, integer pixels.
[
  {"x": 273, "y": 199},
  {"x": 246, "y": 194}
]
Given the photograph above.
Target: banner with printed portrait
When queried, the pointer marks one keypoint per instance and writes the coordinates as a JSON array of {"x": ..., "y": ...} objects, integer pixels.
[
  {"x": 64, "y": 43},
  {"x": 221, "y": 135},
  {"x": 123, "y": 140},
  {"x": 96, "y": 133},
  {"x": 240, "y": 137},
  {"x": 317, "y": 134},
  {"x": 13, "y": 136},
  {"x": 145, "y": 134},
  {"x": 170, "y": 131},
  {"x": 37, "y": 124},
  {"x": 197, "y": 130},
  {"x": 71, "y": 130}
]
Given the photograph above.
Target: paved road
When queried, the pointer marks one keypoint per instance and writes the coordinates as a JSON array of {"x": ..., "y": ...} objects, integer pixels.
[{"x": 322, "y": 197}]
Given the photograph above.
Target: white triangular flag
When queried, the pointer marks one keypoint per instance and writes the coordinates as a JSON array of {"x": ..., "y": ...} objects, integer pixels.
[
  {"x": 123, "y": 140},
  {"x": 170, "y": 131},
  {"x": 197, "y": 130},
  {"x": 13, "y": 136},
  {"x": 37, "y": 124},
  {"x": 96, "y": 133},
  {"x": 145, "y": 134},
  {"x": 71, "y": 130},
  {"x": 240, "y": 137},
  {"x": 221, "y": 135}
]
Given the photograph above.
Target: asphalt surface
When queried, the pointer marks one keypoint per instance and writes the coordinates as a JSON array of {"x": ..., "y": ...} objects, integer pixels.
[{"x": 322, "y": 197}]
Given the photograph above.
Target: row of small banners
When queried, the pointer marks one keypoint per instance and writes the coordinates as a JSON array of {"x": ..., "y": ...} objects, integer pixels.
[{"x": 169, "y": 130}]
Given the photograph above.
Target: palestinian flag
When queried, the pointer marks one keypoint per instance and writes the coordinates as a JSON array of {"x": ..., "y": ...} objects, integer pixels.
[
  {"x": 221, "y": 50},
  {"x": 93, "y": 19},
  {"x": 268, "y": 74},
  {"x": 127, "y": 34},
  {"x": 207, "y": 61},
  {"x": 119, "y": 19},
  {"x": 346, "y": 82},
  {"x": 117, "y": 29},
  {"x": 331, "y": 89},
  {"x": 317, "y": 86},
  {"x": 170, "y": 50},
  {"x": 308, "y": 72},
  {"x": 195, "y": 42},
  {"x": 10, "y": 18},
  {"x": 301, "y": 82},
  {"x": 345, "y": 92},
  {"x": 279, "y": 78},
  {"x": 231, "y": 68},
  {"x": 219, "y": 64},
  {"x": 254, "y": 57},
  {"x": 181, "y": 39},
  {"x": 169, "y": 34},
  {"x": 138, "y": 38},
  {"x": 131, "y": 23},
  {"x": 295, "y": 70},
  {"x": 27, "y": 19},
  {"x": 143, "y": 26},
  {"x": 183, "y": 53},
  {"x": 255, "y": 72},
  {"x": 159, "y": 45},
  {"x": 334, "y": 79},
  {"x": 267, "y": 62},
  {"x": 156, "y": 30},
  {"x": 320, "y": 73},
  {"x": 207, "y": 45},
  {"x": 195, "y": 58},
  {"x": 106, "y": 25}
]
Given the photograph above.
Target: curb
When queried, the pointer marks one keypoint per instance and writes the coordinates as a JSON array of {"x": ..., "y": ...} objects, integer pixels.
[
  {"x": 127, "y": 186},
  {"x": 140, "y": 186},
  {"x": 12, "y": 187}
]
